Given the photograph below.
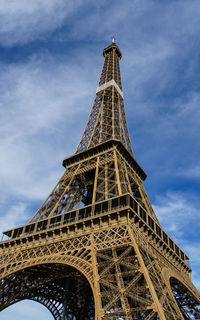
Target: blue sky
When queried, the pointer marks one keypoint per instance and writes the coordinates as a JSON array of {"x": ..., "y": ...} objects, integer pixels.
[{"x": 51, "y": 59}]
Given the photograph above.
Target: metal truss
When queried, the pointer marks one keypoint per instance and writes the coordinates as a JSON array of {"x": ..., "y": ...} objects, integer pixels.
[
  {"x": 55, "y": 286},
  {"x": 107, "y": 119},
  {"x": 103, "y": 175},
  {"x": 120, "y": 273},
  {"x": 95, "y": 248}
]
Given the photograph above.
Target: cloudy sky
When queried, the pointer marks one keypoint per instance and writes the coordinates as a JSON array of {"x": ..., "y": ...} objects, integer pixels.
[{"x": 51, "y": 59}]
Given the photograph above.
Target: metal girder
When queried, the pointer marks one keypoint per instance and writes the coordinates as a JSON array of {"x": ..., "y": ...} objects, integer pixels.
[
  {"x": 95, "y": 178},
  {"x": 123, "y": 269}
]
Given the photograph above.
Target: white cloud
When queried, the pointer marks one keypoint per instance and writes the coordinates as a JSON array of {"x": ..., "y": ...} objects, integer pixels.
[
  {"x": 190, "y": 172},
  {"x": 179, "y": 215},
  {"x": 22, "y": 21},
  {"x": 193, "y": 250},
  {"x": 176, "y": 212},
  {"x": 138, "y": 22},
  {"x": 14, "y": 215},
  {"x": 39, "y": 104}
]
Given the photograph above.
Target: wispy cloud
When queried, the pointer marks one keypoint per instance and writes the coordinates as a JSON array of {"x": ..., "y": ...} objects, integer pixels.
[
  {"x": 13, "y": 215},
  {"x": 22, "y": 21},
  {"x": 193, "y": 249},
  {"x": 38, "y": 108},
  {"x": 179, "y": 215},
  {"x": 190, "y": 172},
  {"x": 176, "y": 211}
]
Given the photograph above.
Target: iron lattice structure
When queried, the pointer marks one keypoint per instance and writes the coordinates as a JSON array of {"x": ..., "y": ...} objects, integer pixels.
[{"x": 95, "y": 248}]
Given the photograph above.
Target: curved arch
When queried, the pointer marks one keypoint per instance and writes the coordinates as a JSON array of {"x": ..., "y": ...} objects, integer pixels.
[
  {"x": 49, "y": 289},
  {"x": 184, "y": 293},
  {"x": 81, "y": 265},
  {"x": 186, "y": 301}
]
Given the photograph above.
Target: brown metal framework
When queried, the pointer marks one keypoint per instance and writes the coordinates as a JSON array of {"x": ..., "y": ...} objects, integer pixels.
[{"x": 95, "y": 248}]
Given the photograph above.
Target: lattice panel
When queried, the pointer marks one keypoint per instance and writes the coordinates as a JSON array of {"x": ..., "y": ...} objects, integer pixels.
[
  {"x": 155, "y": 263},
  {"x": 123, "y": 287},
  {"x": 75, "y": 250}
]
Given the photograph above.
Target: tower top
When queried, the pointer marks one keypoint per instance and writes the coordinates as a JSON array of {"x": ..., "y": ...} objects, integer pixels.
[{"x": 113, "y": 47}]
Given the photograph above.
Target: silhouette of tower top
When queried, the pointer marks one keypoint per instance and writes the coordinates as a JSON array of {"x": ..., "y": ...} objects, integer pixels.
[
  {"x": 107, "y": 119},
  {"x": 112, "y": 47}
]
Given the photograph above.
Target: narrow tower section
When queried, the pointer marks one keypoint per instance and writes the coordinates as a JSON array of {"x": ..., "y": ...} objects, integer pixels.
[{"x": 107, "y": 119}]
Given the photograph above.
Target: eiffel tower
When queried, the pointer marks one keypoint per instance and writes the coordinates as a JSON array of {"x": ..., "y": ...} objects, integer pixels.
[{"x": 95, "y": 248}]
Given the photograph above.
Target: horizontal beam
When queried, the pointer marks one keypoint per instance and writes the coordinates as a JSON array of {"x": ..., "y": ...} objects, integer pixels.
[{"x": 109, "y": 84}]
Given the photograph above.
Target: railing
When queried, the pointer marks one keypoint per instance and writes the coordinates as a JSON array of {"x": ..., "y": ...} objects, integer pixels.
[
  {"x": 92, "y": 211},
  {"x": 68, "y": 217}
]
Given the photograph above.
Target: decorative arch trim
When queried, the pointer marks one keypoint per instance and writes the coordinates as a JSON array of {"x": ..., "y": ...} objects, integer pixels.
[
  {"x": 167, "y": 274},
  {"x": 79, "y": 264}
]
